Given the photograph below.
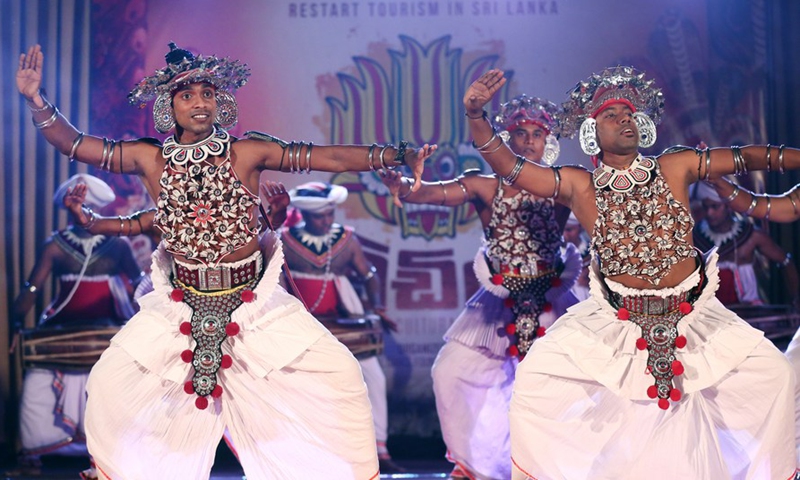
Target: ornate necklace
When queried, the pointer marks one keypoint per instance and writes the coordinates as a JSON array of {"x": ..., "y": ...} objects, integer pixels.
[
  {"x": 86, "y": 244},
  {"x": 319, "y": 243},
  {"x": 720, "y": 238},
  {"x": 638, "y": 173},
  {"x": 213, "y": 145}
]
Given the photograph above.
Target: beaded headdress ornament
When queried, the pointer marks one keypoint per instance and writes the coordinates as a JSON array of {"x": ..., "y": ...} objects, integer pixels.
[
  {"x": 523, "y": 110},
  {"x": 183, "y": 67},
  {"x": 616, "y": 84}
]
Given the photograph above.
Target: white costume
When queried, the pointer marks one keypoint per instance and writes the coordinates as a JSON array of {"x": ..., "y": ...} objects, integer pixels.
[{"x": 140, "y": 420}]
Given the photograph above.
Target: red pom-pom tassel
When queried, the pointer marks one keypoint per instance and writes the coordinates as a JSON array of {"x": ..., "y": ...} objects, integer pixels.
[
  {"x": 652, "y": 391},
  {"x": 547, "y": 307},
  {"x": 685, "y": 308},
  {"x": 509, "y": 302},
  {"x": 511, "y": 328},
  {"x": 513, "y": 351},
  {"x": 623, "y": 314},
  {"x": 641, "y": 343},
  {"x": 232, "y": 329},
  {"x": 185, "y": 328},
  {"x": 663, "y": 403},
  {"x": 677, "y": 367},
  {"x": 187, "y": 356},
  {"x": 680, "y": 341},
  {"x": 217, "y": 392},
  {"x": 248, "y": 295},
  {"x": 497, "y": 279},
  {"x": 675, "y": 395},
  {"x": 541, "y": 331},
  {"x": 226, "y": 362},
  {"x": 201, "y": 403},
  {"x": 176, "y": 295},
  {"x": 188, "y": 387}
]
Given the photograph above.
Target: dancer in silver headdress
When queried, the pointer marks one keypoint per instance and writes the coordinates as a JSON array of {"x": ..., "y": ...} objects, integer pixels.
[
  {"x": 525, "y": 282},
  {"x": 651, "y": 377},
  {"x": 218, "y": 344}
]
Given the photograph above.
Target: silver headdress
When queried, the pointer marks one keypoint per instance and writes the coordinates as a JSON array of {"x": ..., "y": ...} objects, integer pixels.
[
  {"x": 184, "y": 67},
  {"x": 617, "y": 83},
  {"x": 531, "y": 110}
]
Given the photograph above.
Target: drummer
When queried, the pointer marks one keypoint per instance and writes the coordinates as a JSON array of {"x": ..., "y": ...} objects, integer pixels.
[
  {"x": 321, "y": 255},
  {"x": 95, "y": 275}
]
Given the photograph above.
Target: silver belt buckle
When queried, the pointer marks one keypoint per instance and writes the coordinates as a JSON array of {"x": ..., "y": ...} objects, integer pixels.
[
  {"x": 215, "y": 278},
  {"x": 654, "y": 306}
]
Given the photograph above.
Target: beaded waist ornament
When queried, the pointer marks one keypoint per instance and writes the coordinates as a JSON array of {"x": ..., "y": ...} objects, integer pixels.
[
  {"x": 210, "y": 326},
  {"x": 657, "y": 319},
  {"x": 527, "y": 302}
]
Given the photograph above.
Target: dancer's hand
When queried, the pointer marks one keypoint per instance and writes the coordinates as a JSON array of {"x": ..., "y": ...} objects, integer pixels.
[
  {"x": 416, "y": 162},
  {"x": 73, "y": 201},
  {"x": 482, "y": 90},
  {"x": 277, "y": 199},
  {"x": 394, "y": 182},
  {"x": 29, "y": 75}
]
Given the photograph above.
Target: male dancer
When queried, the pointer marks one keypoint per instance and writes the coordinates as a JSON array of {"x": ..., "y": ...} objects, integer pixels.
[
  {"x": 584, "y": 402},
  {"x": 218, "y": 327},
  {"x": 525, "y": 286}
]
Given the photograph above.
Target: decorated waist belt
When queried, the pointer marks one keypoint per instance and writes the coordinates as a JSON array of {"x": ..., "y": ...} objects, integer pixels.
[
  {"x": 210, "y": 325},
  {"x": 657, "y": 318},
  {"x": 222, "y": 277},
  {"x": 526, "y": 299}
]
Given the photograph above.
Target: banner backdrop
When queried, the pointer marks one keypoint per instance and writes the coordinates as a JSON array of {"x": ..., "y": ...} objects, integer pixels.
[{"x": 385, "y": 71}]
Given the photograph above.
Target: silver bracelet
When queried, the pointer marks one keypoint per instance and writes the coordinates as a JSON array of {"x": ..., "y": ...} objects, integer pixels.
[
  {"x": 444, "y": 192},
  {"x": 463, "y": 189},
  {"x": 769, "y": 207},
  {"x": 733, "y": 195},
  {"x": 752, "y": 206},
  {"x": 308, "y": 157},
  {"x": 708, "y": 164},
  {"x": 557, "y": 188},
  {"x": 769, "y": 158},
  {"x": 482, "y": 147},
  {"x": 75, "y": 143},
  {"x": 512, "y": 177},
  {"x": 370, "y": 158},
  {"x": 46, "y": 123},
  {"x": 402, "y": 182},
  {"x": 780, "y": 159}
]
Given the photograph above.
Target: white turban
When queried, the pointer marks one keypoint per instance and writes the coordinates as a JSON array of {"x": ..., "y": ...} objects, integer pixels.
[
  {"x": 98, "y": 193},
  {"x": 572, "y": 221},
  {"x": 703, "y": 191},
  {"x": 317, "y": 197}
]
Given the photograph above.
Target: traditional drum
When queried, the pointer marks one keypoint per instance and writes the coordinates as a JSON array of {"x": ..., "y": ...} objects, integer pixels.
[
  {"x": 64, "y": 348},
  {"x": 363, "y": 336}
]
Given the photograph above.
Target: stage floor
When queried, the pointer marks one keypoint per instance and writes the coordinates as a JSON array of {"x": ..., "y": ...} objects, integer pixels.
[{"x": 68, "y": 468}]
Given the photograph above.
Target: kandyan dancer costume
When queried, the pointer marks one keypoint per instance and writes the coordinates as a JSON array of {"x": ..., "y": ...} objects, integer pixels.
[
  {"x": 218, "y": 343},
  {"x": 648, "y": 383},
  {"x": 659, "y": 381},
  {"x": 525, "y": 286}
]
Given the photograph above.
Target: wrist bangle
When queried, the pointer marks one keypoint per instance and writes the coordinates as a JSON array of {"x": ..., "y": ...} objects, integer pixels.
[
  {"x": 483, "y": 115},
  {"x": 402, "y": 182},
  {"x": 48, "y": 122},
  {"x": 733, "y": 194}
]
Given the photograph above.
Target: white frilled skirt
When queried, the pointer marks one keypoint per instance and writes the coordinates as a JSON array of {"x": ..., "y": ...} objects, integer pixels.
[
  {"x": 473, "y": 375},
  {"x": 793, "y": 354},
  {"x": 294, "y": 400},
  {"x": 579, "y": 409}
]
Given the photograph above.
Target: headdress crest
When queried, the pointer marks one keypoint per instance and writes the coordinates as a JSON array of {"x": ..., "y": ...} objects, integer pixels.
[
  {"x": 525, "y": 109},
  {"x": 185, "y": 67},
  {"x": 616, "y": 83}
]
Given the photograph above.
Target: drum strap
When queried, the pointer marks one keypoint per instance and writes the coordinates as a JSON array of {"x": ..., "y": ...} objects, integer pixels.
[{"x": 287, "y": 273}]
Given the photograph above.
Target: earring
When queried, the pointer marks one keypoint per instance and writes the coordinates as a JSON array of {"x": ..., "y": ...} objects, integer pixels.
[
  {"x": 551, "y": 149},
  {"x": 163, "y": 119},
  {"x": 227, "y": 110},
  {"x": 647, "y": 129},
  {"x": 588, "y": 137}
]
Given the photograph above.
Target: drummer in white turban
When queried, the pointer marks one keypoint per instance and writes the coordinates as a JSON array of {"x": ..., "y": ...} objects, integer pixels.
[
  {"x": 94, "y": 273},
  {"x": 320, "y": 254}
]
